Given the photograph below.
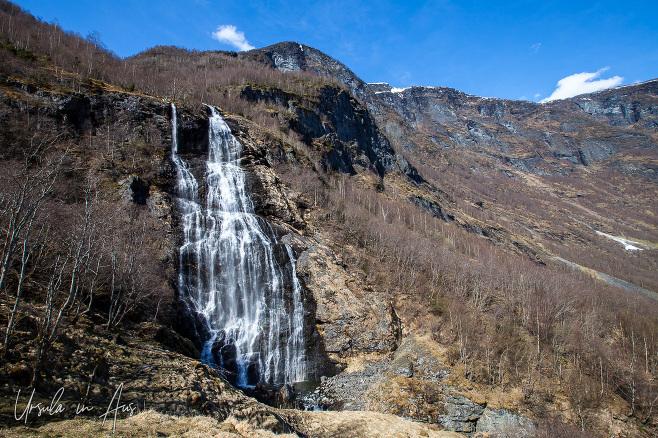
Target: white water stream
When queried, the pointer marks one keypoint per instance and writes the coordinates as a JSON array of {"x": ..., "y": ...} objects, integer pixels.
[{"x": 239, "y": 282}]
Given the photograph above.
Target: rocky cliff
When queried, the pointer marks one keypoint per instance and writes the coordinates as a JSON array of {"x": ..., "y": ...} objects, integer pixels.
[
  {"x": 344, "y": 129},
  {"x": 536, "y": 138}
]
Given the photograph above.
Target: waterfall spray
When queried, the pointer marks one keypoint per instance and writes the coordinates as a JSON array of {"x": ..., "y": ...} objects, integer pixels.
[{"x": 237, "y": 280}]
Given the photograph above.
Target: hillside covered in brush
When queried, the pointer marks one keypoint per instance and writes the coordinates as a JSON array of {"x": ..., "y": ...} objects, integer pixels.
[{"x": 466, "y": 265}]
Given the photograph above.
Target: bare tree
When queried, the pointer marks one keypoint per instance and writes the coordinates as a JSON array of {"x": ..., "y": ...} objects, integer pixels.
[
  {"x": 126, "y": 284},
  {"x": 22, "y": 223},
  {"x": 27, "y": 255},
  {"x": 19, "y": 210}
]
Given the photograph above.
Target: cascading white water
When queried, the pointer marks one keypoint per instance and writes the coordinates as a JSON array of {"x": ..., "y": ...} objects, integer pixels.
[{"x": 239, "y": 282}]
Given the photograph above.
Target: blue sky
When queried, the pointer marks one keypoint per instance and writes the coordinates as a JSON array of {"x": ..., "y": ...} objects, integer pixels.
[{"x": 512, "y": 50}]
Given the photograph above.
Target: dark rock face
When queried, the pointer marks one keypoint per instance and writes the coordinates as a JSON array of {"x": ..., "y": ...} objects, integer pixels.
[
  {"x": 91, "y": 110},
  {"x": 192, "y": 133},
  {"x": 341, "y": 126},
  {"x": 140, "y": 191},
  {"x": 433, "y": 207}
]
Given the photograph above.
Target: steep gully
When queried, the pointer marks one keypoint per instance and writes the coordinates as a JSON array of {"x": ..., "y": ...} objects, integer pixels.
[{"x": 238, "y": 283}]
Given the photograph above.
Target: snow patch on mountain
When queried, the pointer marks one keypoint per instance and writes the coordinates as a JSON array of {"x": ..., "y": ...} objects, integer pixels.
[{"x": 629, "y": 245}]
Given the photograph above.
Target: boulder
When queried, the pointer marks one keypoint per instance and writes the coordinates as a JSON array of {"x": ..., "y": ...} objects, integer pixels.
[{"x": 504, "y": 424}]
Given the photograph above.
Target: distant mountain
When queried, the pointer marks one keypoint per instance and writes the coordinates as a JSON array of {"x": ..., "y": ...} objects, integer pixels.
[
  {"x": 483, "y": 158},
  {"x": 291, "y": 56},
  {"x": 536, "y": 138}
]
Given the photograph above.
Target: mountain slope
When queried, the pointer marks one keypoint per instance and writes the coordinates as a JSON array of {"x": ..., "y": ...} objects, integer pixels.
[{"x": 546, "y": 168}]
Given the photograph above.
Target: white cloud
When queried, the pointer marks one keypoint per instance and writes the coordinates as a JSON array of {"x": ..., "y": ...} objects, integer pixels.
[
  {"x": 229, "y": 34},
  {"x": 537, "y": 96},
  {"x": 535, "y": 47},
  {"x": 581, "y": 83}
]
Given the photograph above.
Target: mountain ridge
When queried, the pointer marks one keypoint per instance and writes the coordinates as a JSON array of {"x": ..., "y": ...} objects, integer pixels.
[
  {"x": 446, "y": 100},
  {"x": 291, "y": 56}
]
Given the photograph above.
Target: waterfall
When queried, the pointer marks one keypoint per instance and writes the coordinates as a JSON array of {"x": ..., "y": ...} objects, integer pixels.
[{"x": 239, "y": 283}]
